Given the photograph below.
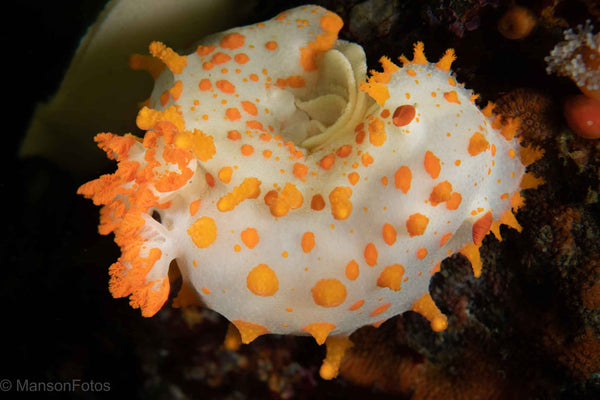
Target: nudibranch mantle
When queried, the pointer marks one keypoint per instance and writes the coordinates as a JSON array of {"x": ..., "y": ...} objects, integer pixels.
[{"x": 296, "y": 194}]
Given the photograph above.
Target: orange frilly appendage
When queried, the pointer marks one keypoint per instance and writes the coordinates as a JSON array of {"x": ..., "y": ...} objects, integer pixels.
[{"x": 127, "y": 195}]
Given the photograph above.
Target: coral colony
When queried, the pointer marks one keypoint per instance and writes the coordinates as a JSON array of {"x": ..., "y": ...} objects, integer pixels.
[{"x": 297, "y": 195}]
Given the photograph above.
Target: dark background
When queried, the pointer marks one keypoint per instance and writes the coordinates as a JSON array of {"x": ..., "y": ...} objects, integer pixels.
[{"x": 58, "y": 317}]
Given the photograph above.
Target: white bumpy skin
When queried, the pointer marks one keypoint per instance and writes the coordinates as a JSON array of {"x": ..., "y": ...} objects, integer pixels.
[{"x": 296, "y": 195}]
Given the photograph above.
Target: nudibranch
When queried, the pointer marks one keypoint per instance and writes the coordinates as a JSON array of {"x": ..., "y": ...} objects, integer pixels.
[{"x": 296, "y": 194}]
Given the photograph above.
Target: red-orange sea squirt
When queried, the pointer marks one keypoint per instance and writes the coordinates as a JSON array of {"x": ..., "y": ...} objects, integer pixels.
[{"x": 582, "y": 114}]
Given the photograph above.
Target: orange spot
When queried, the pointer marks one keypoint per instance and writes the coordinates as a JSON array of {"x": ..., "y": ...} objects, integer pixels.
[
  {"x": 417, "y": 224},
  {"x": 327, "y": 161},
  {"x": 241, "y": 58},
  {"x": 234, "y": 135},
  {"x": 248, "y": 189},
  {"x": 481, "y": 227},
  {"x": 380, "y": 310},
  {"x": 328, "y": 293},
  {"x": 295, "y": 81},
  {"x": 203, "y": 232},
  {"x": 225, "y": 86},
  {"x": 233, "y": 114},
  {"x": 432, "y": 164},
  {"x": 377, "y": 134},
  {"x": 403, "y": 178},
  {"x": 421, "y": 253},
  {"x": 205, "y": 50},
  {"x": 353, "y": 178},
  {"x": 194, "y": 206},
  {"x": 249, "y": 107},
  {"x": 164, "y": 98},
  {"x": 308, "y": 242},
  {"x": 445, "y": 238},
  {"x": 344, "y": 151},
  {"x": 478, "y": 144},
  {"x": 451, "y": 97},
  {"x": 366, "y": 159},
  {"x": 254, "y": 77},
  {"x": 255, "y": 125},
  {"x": 250, "y": 237},
  {"x": 454, "y": 202},
  {"x": 357, "y": 305},
  {"x": 147, "y": 118},
  {"x": 391, "y": 277},
  {"x": 247, "y": 149},
  {"x": 176, "y": 90},
  {"x": 205, "y": 85},
  {"x": 210, "y": 180},
  {"x": 441, "y": 192},
  {"x": 360, "y": 137},
  {"x": 220, "y": 58},
  {"x": 224, "y": 174},
  {"x": 352, "y": 270},
  {"x": 389, "y": 234},
  {"x": 206, "y": 290},
  {"x": 232, "y": 41},
  {"x": 262, "y": 281},
  {"x": 341, "y": 206},
  {"x": 370, "y": 254},
  {"x": 404, "y": 115},
  {"x": 207, "y": 66},
  {"x": 271, "y": 45},
  {"x": 281, "y": 203},
  {"x": 317, "y": 202},
  {"x": 300, "y": 170}
]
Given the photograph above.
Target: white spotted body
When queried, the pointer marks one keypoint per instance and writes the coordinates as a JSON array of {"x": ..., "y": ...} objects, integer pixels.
[{"x": 296, "y": 195}]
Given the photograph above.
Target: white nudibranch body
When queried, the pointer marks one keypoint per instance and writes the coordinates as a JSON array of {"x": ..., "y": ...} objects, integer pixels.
[{"x": 296, "y": 195}]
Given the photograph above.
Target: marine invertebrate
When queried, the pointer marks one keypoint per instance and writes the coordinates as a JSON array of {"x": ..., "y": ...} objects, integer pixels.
[
  {"x": 578, "y": 58},
  {"x": 516, "y": 23},
  {"x": 296, "y": 195},
  {"x": 534, "y": 109},
  {"x": 583, "y": 116}
]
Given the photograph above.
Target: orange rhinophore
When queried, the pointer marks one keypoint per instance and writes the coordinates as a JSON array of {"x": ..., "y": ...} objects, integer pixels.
[{"x": 297, "y": 195}]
